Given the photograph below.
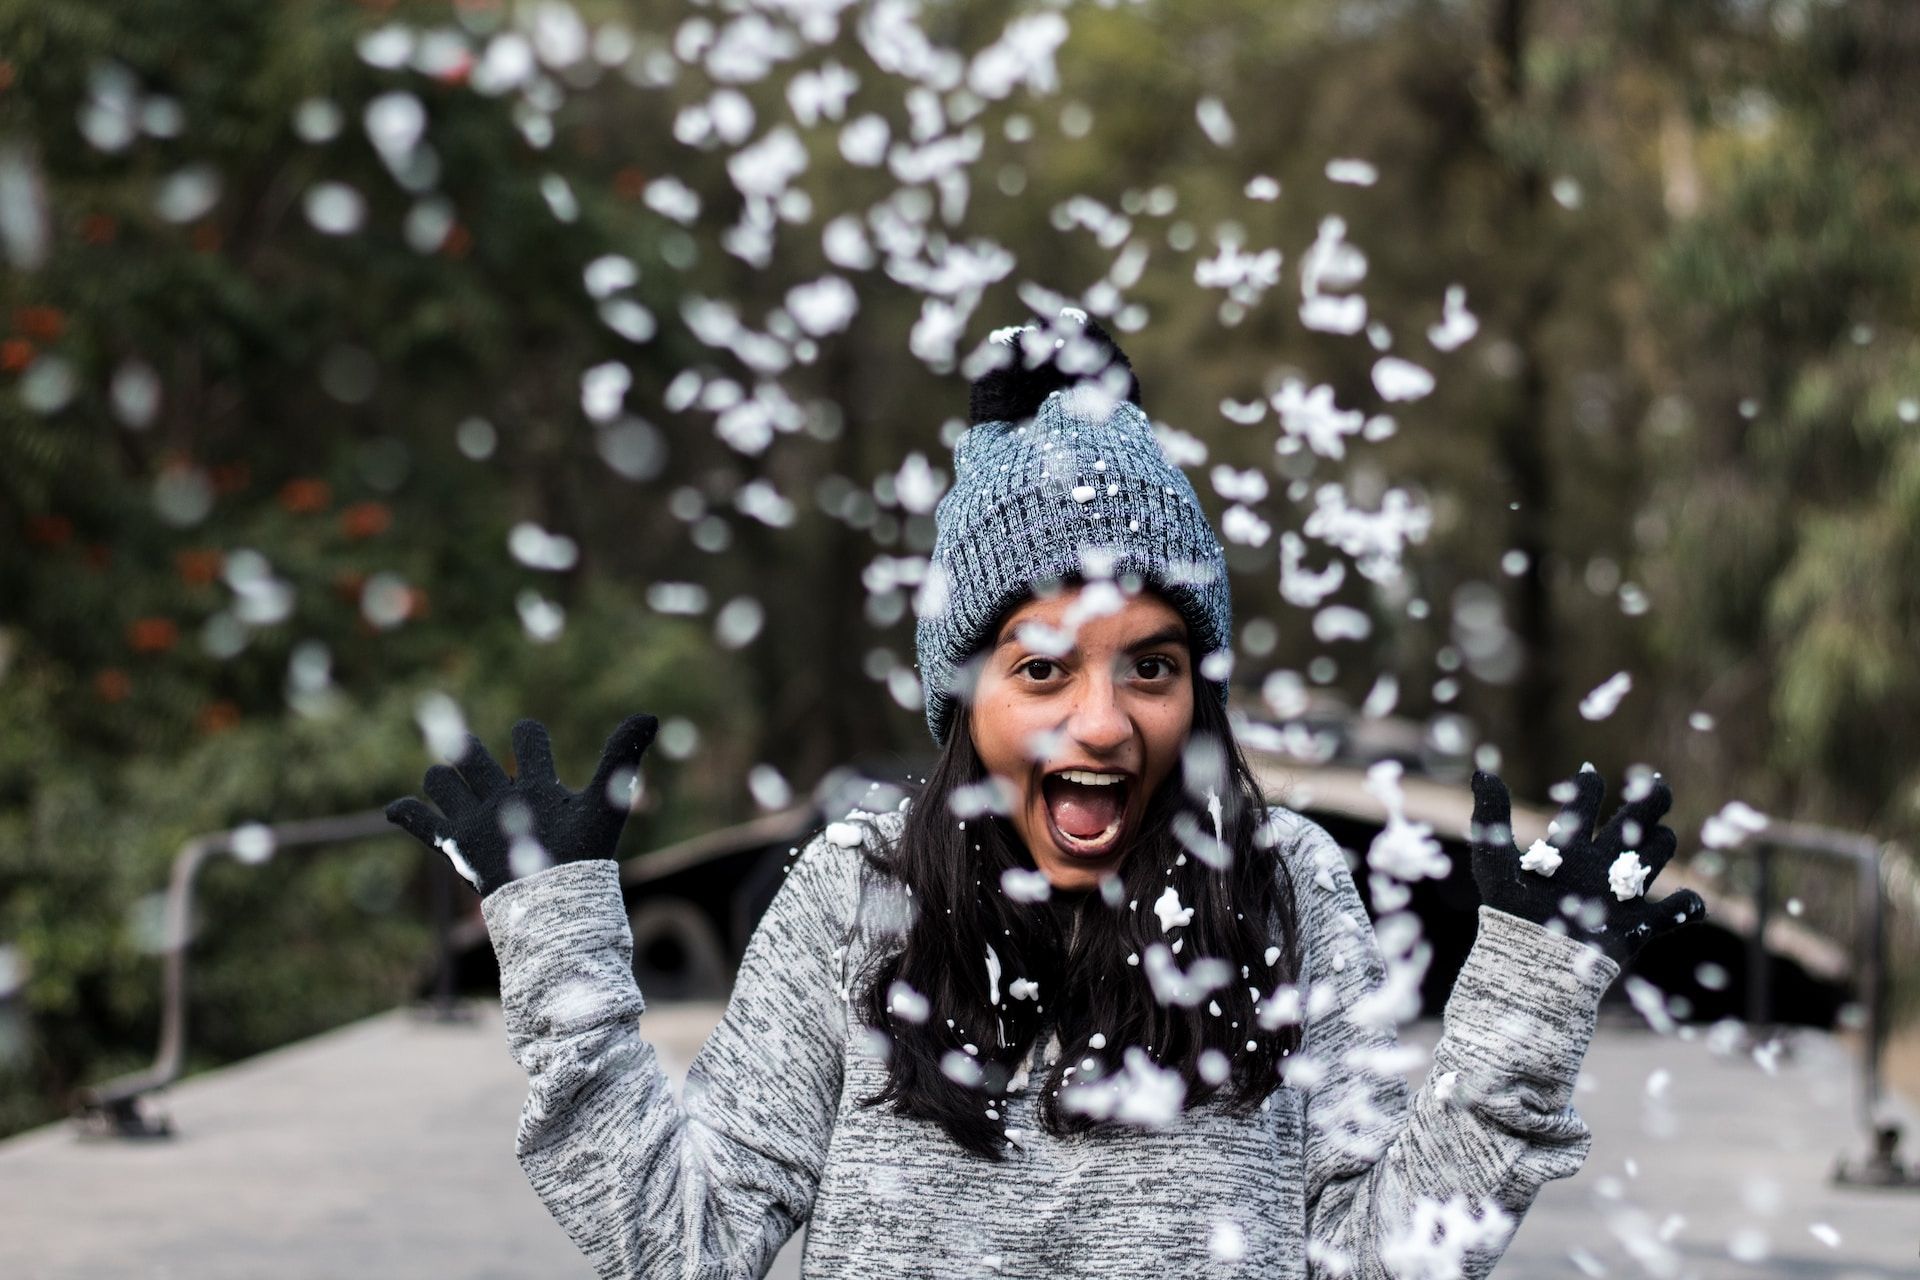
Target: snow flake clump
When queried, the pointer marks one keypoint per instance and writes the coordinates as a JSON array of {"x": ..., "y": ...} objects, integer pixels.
[
  {"x": 1244, "y": 415},
  {"x": 1302, "y": 587},
  {"x": 1214, "y": 121},
  {"x": 1341, "y": 622},
  {"x": 1228, "y": 1242},
  {"x": 1173, "y": 987},
  {"x": 1171, "y": 913},
  {"x": 764, "y": 170},
  {"x": 821, "y": 94},
  {"x": 906, "y": 1003},
  {"x": 823, "y": 307},
  {"x": 671, "y": 198},
  {"x": 1239, "y": 524},
  {"x": 1329, "y": 313},
  {"x": 1442, "y": 1236},
  {"x": 917, "y": 485},
  {"x": 1605, "y": 698},
  {"x": 1457, "y": 324},
  {"x": 1358, "y": 173},
  {"x": 1281, "y": 1009},
  {"x": 1729, "y": 828},
  {"x": 1542, "y": 859},
  {"x": 603, "y": 390},
  {"x": 1021, "y": 885},
  {"x": 848, "y": 835},
  {"x": 1246, "y": 277},
  {"x": 1330, "y": 262},
  {"x": 1144, "y": 1094},
  {"x": 1626, "y": 877},
  {"x": 961, "y": 1069},
  {"x": 1404, "y": 850},
  {"x": 991, "y": 795},
  {"x": 1238, "y": 486},
  {"x": 1022, "y": 55},
  {"x": 448, "y": 846},
  {"x": 1397, "y": 379},
  {"x": 1310, "y": 417}
]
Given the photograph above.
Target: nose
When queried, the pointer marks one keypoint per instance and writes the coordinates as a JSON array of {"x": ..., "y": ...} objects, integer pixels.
[{"x": 1098, "y": 719}]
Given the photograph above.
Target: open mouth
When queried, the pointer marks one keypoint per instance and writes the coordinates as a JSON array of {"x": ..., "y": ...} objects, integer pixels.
[{"x": 1086, "y": 817}]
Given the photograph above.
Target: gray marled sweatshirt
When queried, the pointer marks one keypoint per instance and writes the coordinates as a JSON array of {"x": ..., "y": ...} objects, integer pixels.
[{"x": 1346, "y": 1175}]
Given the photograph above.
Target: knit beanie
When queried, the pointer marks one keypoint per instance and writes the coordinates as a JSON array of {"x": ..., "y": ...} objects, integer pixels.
[{"x": 1058, "y": 475}]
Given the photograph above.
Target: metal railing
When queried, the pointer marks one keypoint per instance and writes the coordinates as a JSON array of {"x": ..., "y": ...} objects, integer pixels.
[
  {"x": 114, "y": 1108},
  {"x": 1881, "y": 1165}
]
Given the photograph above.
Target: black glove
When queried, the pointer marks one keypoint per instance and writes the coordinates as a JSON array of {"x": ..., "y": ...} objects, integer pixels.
[
  {"x": 1579, "y": 898},
  {"x": 496, "y": 829}
]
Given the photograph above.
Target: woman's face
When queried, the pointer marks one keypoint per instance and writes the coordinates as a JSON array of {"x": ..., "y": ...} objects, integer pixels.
[{"x": 1110, "y": 694}]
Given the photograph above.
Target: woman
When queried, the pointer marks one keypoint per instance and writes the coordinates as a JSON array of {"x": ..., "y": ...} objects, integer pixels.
[{"x": 1088, "y": 1005}]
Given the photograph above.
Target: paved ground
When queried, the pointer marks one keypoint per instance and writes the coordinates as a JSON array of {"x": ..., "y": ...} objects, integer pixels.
[
  {"x": 381, "y": 1149},
  {"x": 1730, "y": 1163},
  {"x": 384, "y": 1149}
]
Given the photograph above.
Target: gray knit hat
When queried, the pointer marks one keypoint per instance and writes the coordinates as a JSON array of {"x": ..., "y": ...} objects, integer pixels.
[{"x": 1060, "y": 475}]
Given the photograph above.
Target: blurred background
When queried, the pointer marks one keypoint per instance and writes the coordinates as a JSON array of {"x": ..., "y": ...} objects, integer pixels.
[{"x": 372, "y": 372}]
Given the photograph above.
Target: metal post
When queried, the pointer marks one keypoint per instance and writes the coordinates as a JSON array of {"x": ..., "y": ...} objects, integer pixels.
[
  {"x": 1882, "y": 1165},
  {"x": 1759, "y": 967},
  {"x": 442, "y": 1007},
  {"x": 114, "y": 1108}
]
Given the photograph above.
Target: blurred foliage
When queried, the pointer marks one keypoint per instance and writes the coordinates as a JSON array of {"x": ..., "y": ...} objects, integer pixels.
[
  {"x": 192, "y": 637},
  {"x": 265, "y": 441}
]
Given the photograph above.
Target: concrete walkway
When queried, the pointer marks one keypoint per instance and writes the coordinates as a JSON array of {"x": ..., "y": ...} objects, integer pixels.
[
  {"x": 1706, "y": 1164},
  {"x": 380, "y": 1149},
  {"x": 385, "y": 1149}
]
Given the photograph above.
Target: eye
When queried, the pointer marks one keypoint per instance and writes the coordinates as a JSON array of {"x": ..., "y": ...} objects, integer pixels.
[
  {"x": 1168, "y": 665},
  {"x": 1034, "y": 662}
]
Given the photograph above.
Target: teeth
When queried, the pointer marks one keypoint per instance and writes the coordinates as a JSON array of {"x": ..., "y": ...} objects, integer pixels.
[
  {"x": 1091, "y": 779},
  {"x": 1096, "y": 841}
]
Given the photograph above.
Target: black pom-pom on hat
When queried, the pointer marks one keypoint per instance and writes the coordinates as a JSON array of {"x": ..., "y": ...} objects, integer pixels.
[{"x": 1014, "y": 390}]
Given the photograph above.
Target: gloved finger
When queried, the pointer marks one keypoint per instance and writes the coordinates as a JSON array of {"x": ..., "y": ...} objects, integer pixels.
[
  {"x": 1579, "y": 799},
  {"x": 1494, "y": 860},
  {"x": 450, "y": 791},
  {"x": 625, "y": 746},
  {"x": 534, "y": 751},
  {"x": 1656, "y": 850},
  {"x": 1677, "y": 910},
  {"x": 482, "y": 772},
  {"x": 418, "y": 821},
  {"x": 1492, "y": 812},
  {"x": 1633, "y": 823},
  {"x": 1496, "y": 871}
]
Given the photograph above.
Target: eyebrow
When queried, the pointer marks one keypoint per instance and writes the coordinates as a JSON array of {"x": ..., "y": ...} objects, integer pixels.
[
  {"x": 1166, "y": 635},
  {"x": 1171, "y": 634}
]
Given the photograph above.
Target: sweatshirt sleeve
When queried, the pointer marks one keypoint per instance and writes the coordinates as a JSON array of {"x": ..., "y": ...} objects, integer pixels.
[
  {"x": 1395, "y": 1182},
  {"x": 711, "y": 1184}
]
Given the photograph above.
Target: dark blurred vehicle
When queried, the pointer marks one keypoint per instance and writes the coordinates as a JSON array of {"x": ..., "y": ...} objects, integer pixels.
[
  {"x": 1702, "y": 970},
  {"x": 694, "y": 904}
]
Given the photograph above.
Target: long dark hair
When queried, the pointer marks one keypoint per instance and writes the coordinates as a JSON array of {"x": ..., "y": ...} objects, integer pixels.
[{"x": 1088, "y": 953}]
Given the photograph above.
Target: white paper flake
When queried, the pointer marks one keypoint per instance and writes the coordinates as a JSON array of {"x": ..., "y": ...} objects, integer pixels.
[
  {"x": 1605, "y": 697},
  {"x": 1171, "y": 913},
  {"x": 1626, "y": 877},
  {"x": 1541, "y": 859}
]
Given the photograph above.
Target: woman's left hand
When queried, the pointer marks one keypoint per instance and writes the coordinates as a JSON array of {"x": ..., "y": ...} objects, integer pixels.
[{"x": 1589, "y": 883}]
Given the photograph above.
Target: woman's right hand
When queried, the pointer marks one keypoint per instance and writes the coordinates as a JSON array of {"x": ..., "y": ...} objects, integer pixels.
[{"x": 496, "y": 829}]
